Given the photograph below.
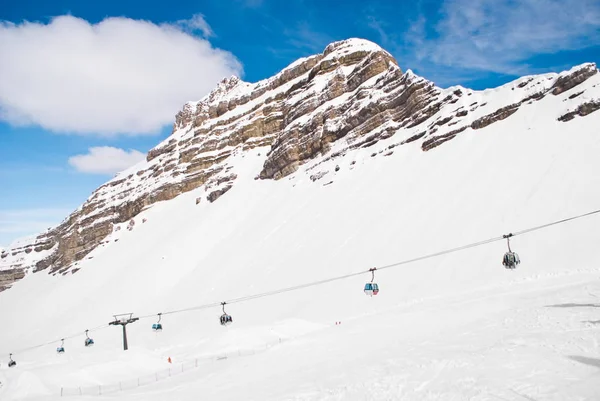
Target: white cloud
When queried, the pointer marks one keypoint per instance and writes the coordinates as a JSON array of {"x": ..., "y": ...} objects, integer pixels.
[
  {"x": 196, "y": 23},
  {"x": 500, "y": 36},
  {"x": 105, "y": 160},
  {"x": 117, "y": 76}
]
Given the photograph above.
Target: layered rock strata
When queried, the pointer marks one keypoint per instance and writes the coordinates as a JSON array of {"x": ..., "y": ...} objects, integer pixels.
[{"x": 351, "y": 96}]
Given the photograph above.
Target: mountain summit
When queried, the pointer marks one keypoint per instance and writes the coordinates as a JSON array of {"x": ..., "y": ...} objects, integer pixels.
[
  {"x": 318, "y": 110},
  {"x": 279, "y": 206}
]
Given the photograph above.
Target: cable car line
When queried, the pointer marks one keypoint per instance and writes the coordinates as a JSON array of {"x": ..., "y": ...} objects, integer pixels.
[
  {"x": 404, "y": 262},
  {"x": 22, "y": 350},
  {"x": 528, "y": 230},
  {"x": 338, "y": 278}
]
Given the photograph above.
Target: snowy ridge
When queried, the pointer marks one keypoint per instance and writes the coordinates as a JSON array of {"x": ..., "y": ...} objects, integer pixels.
[
  {"x": 318, "y": 110},
  {"x": 455, "y": 327},
  {"x": 337, "y": 164},
  {"x": 370, "y": 167}
]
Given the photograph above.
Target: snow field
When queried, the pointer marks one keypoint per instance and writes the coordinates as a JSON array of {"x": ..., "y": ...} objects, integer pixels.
[{"x": 454, "y": 328}]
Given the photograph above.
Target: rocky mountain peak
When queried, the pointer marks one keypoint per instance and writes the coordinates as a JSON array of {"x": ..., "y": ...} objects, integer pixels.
[
  {"x": 319, "y": 108},
  {"x": 223, "y": 88},
  {"x": 351, "y": 45}
]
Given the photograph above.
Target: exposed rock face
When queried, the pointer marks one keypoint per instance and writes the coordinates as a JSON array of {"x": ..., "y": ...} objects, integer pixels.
[
  {"x": 569, "y": 81},
  {"x": 582, "y": 110},
  {"x": 436, "y": 141},
  {"x": 351, "y": 96},
  {"x": 214, "y": 195},
  {"x": 9, "y": 276},
  {"x": 402, "y": 99},
  {"x": 498, "y": 115}
]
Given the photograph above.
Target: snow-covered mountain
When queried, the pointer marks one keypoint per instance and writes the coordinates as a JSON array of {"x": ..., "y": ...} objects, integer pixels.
[
  {"x": 323, "y": 107},
  {"x": 337, "y": 164}
]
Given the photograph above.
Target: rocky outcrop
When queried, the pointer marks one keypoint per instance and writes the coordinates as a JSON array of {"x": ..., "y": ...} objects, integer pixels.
[
  {"x": 571, "y": 80},
  {"x": 214, "y": 195},
  {"x": 403, "y": 99},
  {"x": 498, "y": 115},
  {"x": 350, "y": 97},
  {"x": 582, "y": 110},
  {"x": 9, "y": 276},
  {"x": 436, "y": 141}
]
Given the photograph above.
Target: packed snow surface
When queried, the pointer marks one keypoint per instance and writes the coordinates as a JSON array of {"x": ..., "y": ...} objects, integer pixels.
[{"x": 455, "y": 327}]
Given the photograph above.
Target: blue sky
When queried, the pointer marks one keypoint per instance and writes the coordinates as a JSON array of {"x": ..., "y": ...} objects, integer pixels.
[{"x": 87, "y": 87}]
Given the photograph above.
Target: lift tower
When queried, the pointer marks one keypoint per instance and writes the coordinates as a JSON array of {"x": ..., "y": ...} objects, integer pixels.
[{"x": 123, "y": 320}]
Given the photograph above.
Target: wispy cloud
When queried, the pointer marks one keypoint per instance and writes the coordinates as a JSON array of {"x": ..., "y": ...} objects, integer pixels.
[
  {"x": 7, "y": 170},
  {"x": 303, "y": 36},
  {"x": 105, "y": 160},
  {"x": 196, "y": 24},
  {"x": 379, "y": 26},
  {"x": 467, "y": 39},
  {"x": 16, "y": 223},
  {"x": 301, "y": 40},
  {"x": 500, "y": 36},
  {"x": 406, "y": 45}
]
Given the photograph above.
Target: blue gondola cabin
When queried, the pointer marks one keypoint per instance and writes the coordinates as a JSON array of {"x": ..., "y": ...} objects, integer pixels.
[{"x": 371, "y": 289}]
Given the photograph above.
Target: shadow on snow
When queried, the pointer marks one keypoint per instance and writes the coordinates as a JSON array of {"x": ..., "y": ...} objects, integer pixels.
[
  {"x": 572, "y": 305},
  {"x": 585, "y": 360}
]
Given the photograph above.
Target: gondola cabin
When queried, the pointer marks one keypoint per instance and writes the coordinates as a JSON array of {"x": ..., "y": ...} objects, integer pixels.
[
  {"x": 371, "y": 289},
  {"x": 510, "y": 260},
  {"x": 226, "y": 319}
]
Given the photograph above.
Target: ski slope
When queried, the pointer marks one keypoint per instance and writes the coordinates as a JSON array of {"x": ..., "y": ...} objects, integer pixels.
[{"x": 456, "y": 327}]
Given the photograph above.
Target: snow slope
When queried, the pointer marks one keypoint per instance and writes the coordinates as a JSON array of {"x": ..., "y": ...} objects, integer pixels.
[
  {"x": 351, "y": 96},
  {"x": 455, "y": 327}
]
